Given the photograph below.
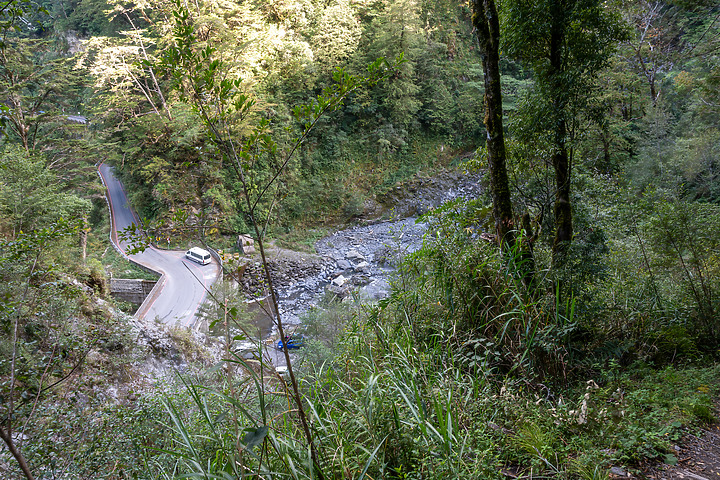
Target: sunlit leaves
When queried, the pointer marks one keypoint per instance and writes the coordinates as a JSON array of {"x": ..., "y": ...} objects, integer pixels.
[
  {"x": 225, "y": 107},
  {"x": 334, "y": 95},
  {"x": 35, "y": 83},
  {"x": 338, "y": 35}
]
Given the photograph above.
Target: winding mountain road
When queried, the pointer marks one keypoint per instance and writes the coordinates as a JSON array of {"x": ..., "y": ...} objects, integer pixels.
[{"x": 183, "y": 284}]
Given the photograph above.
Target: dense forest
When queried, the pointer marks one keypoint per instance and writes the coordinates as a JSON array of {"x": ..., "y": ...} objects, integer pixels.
[{"x": 563, "y": 324}]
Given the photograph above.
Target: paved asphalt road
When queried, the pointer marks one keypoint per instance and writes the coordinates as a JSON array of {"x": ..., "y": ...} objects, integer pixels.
[{"x": 183, "y": 283}]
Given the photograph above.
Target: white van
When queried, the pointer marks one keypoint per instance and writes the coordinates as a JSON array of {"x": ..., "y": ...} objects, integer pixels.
[{"x": 198, "y": 255}]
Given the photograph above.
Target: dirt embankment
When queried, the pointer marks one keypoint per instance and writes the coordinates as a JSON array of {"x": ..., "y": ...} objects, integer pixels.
[{"x": 698, "y": 458}]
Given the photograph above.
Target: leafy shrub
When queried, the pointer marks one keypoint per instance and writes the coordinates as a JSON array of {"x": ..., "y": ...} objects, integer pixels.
[
  {"x": 685, "y": 239},
  {"x": 460, "y": 288}
]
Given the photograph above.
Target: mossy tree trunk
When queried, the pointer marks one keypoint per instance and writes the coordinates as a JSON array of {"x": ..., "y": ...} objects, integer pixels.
[
  {"x": 487, "y": 28},
  {"x": 560, "y": 158},
  {"x": 562, "y": 207},
  {"x": 567, "y": 43}
]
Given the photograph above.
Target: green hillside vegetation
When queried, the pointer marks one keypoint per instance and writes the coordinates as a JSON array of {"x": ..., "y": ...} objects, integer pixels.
[{"x": 565, "y": 322}]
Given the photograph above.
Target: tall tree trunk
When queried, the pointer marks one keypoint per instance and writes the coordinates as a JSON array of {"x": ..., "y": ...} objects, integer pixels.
[
  {"x": 560, "y": 158},
  {"x": 562, "y": 209},
  {"x": 487, "y": 28}
]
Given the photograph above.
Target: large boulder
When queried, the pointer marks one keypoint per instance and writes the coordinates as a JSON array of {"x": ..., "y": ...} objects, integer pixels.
[{"x": 246, "y": 244}]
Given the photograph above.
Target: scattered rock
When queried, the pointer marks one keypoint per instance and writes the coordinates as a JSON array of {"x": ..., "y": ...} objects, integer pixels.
[
  {"x": 384, "y": 256},
  {"x": 359, "y": 280},
  {"x": 419, "y": 195},
  {"x": 372, "y": 208},
  {"x": 152, "y": 335},
  {"x": 95, "y": 359},
  {"x": 618, "y": 472},
  {"x": 362, "y": 267},
  {"x": 113, "y": 346},
  {"x": 340, "y": 292},
  {"x": 698, "y": 457},
  {"x": 365, "y": 254},
  {"x": 344, "y": 265},
  {"x": 494, "y": 426},
  {"x": 246, "y": 244},
  {"x": 354, "y": 255},
  {"x": 286, "y": 269}
]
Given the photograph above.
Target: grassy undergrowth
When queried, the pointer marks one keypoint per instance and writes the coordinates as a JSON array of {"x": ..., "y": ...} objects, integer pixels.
[
  {"x": 445, "y": 418},
  {"x": 120, "y": 267},
  {"x": 385, "y": 405},
  {"x": 301, "y": 239},
  {"x": 468, "y": 370}
]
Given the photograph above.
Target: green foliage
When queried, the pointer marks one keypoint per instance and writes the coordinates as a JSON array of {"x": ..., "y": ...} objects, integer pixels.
[
  {"x": 589, "y": 29},
  {"x": 685, "y": 236},
  {"x": 338, "y": 35},
  {"x": 468, "y": 366},
  {"x": 387, "y": 397},
  {"x": 324, "y": 328},
  {"x": 460, "y": 288},
  {"x": 375, "y": 129},
  {"x": 87, "y": 17},
  {"x": 247, "y": 146},
  {"x": 119, "y": 440},
  {"x": 36, "y": 84},
  {"x": 658, "y": 286},
  {"x": 31, "y": 196},
  {"x": 392, "y": 410}
]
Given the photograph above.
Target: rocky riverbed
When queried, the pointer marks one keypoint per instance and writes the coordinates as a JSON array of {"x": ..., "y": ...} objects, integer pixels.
[
  {"x": 361, "y": 258},
  {"x": 357, "y": 259}
]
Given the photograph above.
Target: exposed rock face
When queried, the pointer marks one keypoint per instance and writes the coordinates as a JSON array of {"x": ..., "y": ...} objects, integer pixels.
[
  {"x": 246, "y": 244},
  {"x": 74, "y": 43},
  {"x": 154, "y": 336}
]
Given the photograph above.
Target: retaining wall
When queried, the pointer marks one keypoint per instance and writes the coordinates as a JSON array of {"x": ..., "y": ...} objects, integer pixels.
[{"x": 131, "y": 290}]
